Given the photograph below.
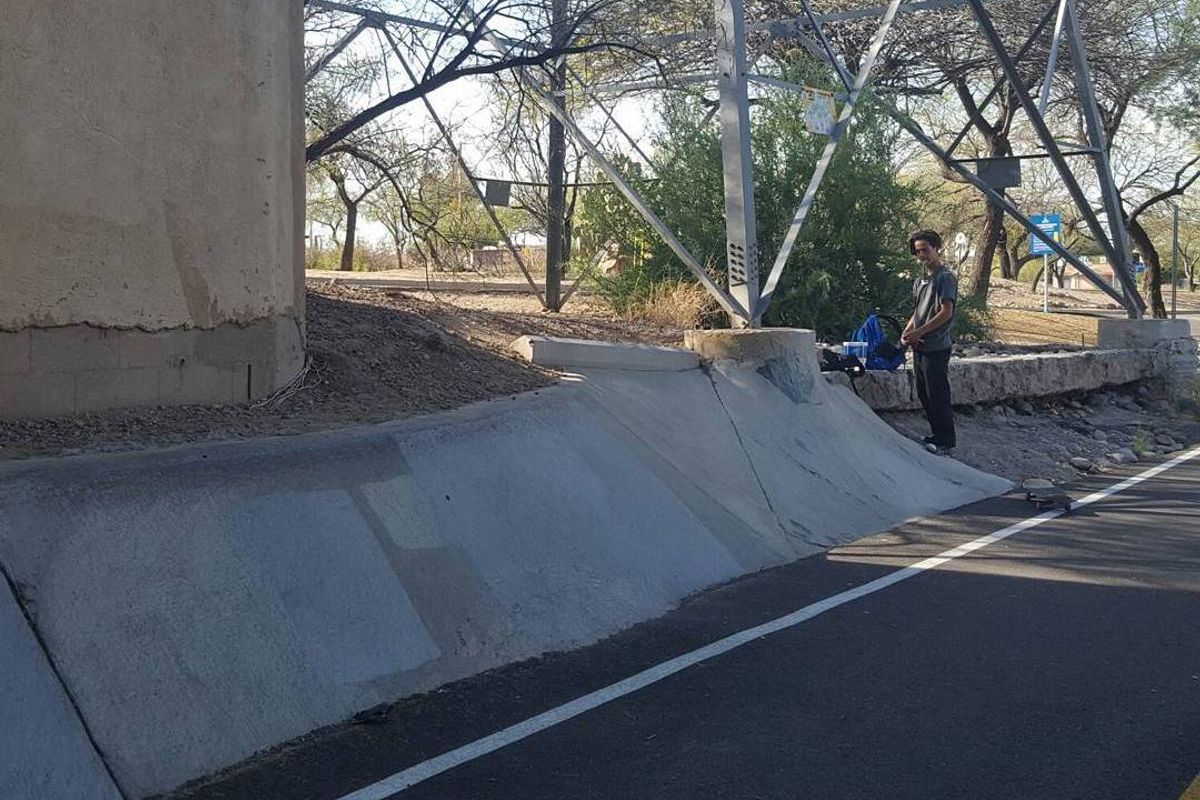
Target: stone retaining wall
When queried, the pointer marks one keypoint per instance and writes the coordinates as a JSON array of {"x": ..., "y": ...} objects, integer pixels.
[{"x": 993, "y": 379}]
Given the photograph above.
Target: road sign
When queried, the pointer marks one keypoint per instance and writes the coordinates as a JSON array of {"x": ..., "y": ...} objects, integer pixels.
[
  {"x": 819, "y": 114},
  {"x": 1139, "y": 267},
  {"x": 1050, "y": 224}
]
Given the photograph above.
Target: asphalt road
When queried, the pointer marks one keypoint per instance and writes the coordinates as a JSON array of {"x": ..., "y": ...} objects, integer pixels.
[{"x": 1063, "y": 662}]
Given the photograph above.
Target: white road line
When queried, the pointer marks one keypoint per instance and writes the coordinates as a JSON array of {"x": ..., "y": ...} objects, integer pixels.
[{"x": 548, "y": 719}]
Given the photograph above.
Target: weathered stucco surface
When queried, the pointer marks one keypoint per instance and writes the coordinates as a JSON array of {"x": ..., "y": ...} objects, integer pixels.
[{"x": 151, "y": 175}]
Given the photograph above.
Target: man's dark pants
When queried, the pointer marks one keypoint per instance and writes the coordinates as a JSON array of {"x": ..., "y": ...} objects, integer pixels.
[{"x": 932, "y": 370}]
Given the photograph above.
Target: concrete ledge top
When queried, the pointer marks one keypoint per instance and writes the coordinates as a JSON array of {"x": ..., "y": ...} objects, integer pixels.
[
  {"x": 549, "y": 351},
  {"x": 753, "y": 345}
]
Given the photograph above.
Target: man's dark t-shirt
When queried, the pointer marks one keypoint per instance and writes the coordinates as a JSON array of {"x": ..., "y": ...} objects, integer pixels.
[{"x": 929, "y": 291}]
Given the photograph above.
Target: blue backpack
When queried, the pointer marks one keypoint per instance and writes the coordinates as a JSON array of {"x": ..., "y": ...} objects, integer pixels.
[{"x": 881, "y": 353}]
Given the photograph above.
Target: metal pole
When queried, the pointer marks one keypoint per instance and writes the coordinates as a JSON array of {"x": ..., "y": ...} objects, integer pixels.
[
  {"x": 741, "y": 235},
  {"x": 1045, "y": 283}
]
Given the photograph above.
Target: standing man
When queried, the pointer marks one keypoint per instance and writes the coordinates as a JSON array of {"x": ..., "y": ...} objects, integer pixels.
[{"x": 935, "y": 294}]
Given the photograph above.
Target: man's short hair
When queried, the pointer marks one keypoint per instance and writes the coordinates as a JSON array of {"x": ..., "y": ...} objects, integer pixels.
[{"x": 932, "y": 237}]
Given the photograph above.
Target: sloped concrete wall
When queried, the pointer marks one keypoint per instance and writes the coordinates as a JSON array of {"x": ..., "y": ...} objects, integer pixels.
[
  {"x": 151, "y": 202},
  {"x": 207, "y": 602},
  {"x": 44, "y": 751}
]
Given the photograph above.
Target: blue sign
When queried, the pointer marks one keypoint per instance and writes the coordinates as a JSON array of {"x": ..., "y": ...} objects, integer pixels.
[
  {"x": 1047, "y": 223},
  {"x": 1139, "y": 267}
]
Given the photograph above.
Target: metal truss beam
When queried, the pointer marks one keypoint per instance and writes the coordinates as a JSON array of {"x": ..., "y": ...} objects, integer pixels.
[
  {"x": 378, "y": 17},
  {"x": 613, "y": 119},
  {"x": 462, "y": 163},
  {"x": 727, "y": 302},
  {"x": 323, "y": 62},
  {"x": 789, "y": 23},
  {"x": 987, "y": 99},
  {"x": 747, "y": 305},
  {"x": 1052, "y": 62},
  {"x": 810, "y": 194},
  {"x": 1132, "y": 302},
  {"x": 741, "y": 221},
  {"x": 970, "y": 177},
  {"x": 1135, "y": 305},
  {"x": 1000, "y": 200}
]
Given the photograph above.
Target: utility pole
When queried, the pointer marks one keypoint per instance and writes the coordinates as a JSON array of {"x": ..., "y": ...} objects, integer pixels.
[{"x": 556, "y": 178}]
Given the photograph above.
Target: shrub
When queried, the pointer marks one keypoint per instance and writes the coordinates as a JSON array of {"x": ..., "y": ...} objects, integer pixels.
[{"x": 853, "y": 255}]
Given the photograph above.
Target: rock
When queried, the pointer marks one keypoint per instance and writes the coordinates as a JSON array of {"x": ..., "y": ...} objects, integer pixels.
[
  {"x": 972, "y": 352},
  {"x": 1079, "y": 426},
  {"x": 1074, "y": 404},
  {"x": 1082, "y": 464},
  {"x": 1099, "y": 435},
  {"x": 1024, "y": 407},
  {"x": 1123, "y": 456},
  {"x": 1166, "y": 440}
]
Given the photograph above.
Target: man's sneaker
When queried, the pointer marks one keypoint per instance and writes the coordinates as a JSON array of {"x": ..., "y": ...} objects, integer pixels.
[{"x": 938, "y": 450}]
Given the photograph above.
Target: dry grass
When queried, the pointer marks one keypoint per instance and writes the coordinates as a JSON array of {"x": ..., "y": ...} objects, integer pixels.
[
  {"x": 1033, "y": 327},
  {"x": 681, "y": 304}
]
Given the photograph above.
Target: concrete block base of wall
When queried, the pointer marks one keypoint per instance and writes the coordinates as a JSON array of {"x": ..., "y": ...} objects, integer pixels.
[
  {"x": 1171, "y": 342},
  {"x": 1140, "y": 334},
  {"x": 78, "y": 369}
]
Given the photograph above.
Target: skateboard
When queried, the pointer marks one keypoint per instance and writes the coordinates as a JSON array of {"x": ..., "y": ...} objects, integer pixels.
[{"x": 1044, "y": 494}]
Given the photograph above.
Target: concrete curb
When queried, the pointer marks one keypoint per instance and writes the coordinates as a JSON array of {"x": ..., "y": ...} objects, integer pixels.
[{"x": 554, "y": 352}]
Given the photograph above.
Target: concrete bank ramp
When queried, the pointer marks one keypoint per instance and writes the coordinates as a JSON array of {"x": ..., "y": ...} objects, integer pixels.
[
  {"x": 207, "y": 602},
  {"x": 44, "y": 750}
]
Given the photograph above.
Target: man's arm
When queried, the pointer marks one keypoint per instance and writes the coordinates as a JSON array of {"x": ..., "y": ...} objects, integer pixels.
[{"x": 939, "y": 319}]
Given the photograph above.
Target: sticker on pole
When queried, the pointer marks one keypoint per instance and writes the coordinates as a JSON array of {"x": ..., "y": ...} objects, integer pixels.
[
  {"x": 1050, "y": 224},
  {"x": 818, "y": 113}
]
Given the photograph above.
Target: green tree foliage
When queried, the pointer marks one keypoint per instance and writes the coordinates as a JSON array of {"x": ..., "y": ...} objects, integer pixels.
[{"x": 852, "y": 255}]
